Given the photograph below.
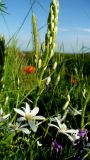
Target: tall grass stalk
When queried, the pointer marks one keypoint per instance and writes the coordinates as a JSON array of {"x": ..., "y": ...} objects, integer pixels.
[{"x": 35, "y": 38}]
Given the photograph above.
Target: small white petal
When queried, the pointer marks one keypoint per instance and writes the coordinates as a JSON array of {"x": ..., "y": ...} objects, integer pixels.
[
  {"x": 21, "y": 119},
  {"x": 6, "y": 116},
  {"x": 59, "y": 124},
  {"x": 25, "y": 130},
  {"x": 10, "y": 125},
  {"x": 39, "y": 118},
  {"x": 34, "y": 111},
  {"x": 53, "y": 125},
  {"x": 72, "y": 131},
  {"x": 24, "y": 125},
  {"x": 19, "y": 111},
  {"x": 33, "y": 126},
  {"x": 39, "y": 144},
  {"x": 75, "y": 137},
  {"x": 27, "y": 108}
]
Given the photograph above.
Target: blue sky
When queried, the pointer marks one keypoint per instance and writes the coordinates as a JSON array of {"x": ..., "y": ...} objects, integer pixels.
[{"x": 73, "y": 24}]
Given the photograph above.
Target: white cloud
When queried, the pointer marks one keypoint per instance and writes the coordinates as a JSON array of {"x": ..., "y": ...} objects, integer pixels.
[
  {"x": 63, "y": 29},
  {"x": 84, "y": 29}
]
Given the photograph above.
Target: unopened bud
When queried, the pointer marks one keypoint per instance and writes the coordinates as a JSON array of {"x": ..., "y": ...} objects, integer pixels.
[
  {"x": 52, "y": 53},
  {"x": 48, "y": 80},
  {"x": 39, "y": 63},
  {"x": 58, "y": 78},
  {"x": 55, "y": 65}
]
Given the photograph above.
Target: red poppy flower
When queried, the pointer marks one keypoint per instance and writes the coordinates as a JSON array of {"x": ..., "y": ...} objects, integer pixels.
[{"x": 29, "y": 69}]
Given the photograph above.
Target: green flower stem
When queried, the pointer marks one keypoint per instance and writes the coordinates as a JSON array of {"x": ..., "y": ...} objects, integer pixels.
[{"x": 31, "y": 155}]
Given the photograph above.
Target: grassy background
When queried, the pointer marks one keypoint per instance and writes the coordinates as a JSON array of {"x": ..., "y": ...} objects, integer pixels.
[{"x": 50, "y": 102}]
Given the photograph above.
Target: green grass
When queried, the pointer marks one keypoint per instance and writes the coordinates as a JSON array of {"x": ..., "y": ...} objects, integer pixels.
[{"x": 51, "y": 101}]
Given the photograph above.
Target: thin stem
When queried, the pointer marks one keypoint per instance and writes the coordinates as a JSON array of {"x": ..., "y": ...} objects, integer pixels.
[{"x": 84, "y": 109}]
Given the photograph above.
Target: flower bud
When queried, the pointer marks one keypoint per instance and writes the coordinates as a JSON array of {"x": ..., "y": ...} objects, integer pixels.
[
  {"x": 55, "y": 66},
  {"x": 58, "y": 78},
  {"x": 39, "y": 63},
  {"x": 50, "y": 40},
  {"x": 48, "y": 80},
  {"x": 52, "y": 53}
]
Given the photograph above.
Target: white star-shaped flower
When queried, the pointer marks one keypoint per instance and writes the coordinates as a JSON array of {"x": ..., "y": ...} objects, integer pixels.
[
  {"x": 72, "y": 134},
  {"x": 19, "y": 127},
  {"x": 29, "y": 115}
]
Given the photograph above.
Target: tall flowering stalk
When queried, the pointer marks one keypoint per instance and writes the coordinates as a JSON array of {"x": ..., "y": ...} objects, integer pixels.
[
  {"x": 52, "y": 29},
  {"x": 50, "y": 38},
  {"x": 35, "y": 38}
]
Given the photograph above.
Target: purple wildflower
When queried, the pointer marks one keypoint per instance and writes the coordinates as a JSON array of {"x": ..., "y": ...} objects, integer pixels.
[
  {"x": 56, "y": 146},
  {"x": 81, "y": 143},
  {"x": 83, "y": 134}
]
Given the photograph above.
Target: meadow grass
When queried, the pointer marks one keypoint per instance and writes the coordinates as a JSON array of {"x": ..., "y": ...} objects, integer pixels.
[{"x": 55, "y": 85}]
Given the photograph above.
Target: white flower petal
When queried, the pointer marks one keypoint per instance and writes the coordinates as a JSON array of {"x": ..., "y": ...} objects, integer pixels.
[
  {"x": 75, "y": 137},
  {"x": 21, "y": 119},
  {"x": 33, "y": 126},
  {"x": 34, "y": 111},
  {"x": 6, "y": 116},
  {"x": 39, "y": 118},
  {"x": 25, "y": 130},
  {"x": 53, "y": 125},
  {"x": 72, "y": 131},
  {"x": 39, "y": 144},
  {"x": 19, "y": 111},
  {"x": 27, "y": 108},
  {"x": 24, "y": 125},
  {"x": 59, "y": 124}
]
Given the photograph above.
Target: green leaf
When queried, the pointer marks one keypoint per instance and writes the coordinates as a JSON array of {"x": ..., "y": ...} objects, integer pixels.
[{"x": 8, "y": 139}]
